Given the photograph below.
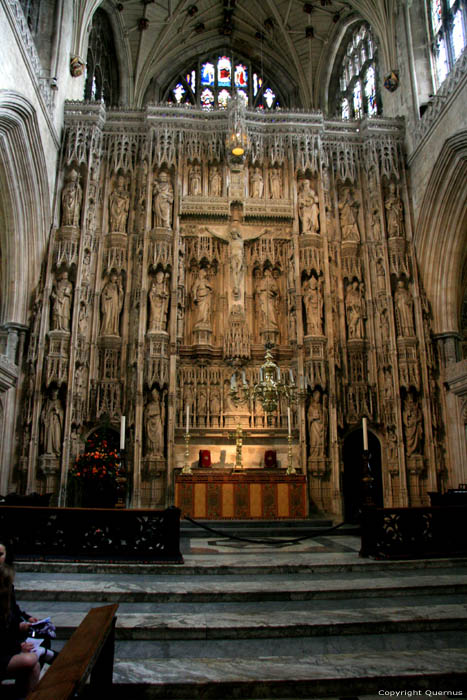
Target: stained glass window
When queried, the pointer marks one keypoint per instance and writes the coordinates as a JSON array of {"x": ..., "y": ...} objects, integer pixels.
[
  {"x": 244, "y": 95},
  {"x": 436, "y": 15},
  {"x": 357, "y": 100},
  {"x": 210, "y": 82},
  {"x": 207, "y": 98},
  {"x": 224, "y": 72},
  {"x": 357, "y": 77},
  {"x": 241, "y": 76},
  {"x": 449, "y": 33},
  {"x": 458, "y": 37},
  {"x": 207, "y": 74},
  {"x": 179, "y": 91},
  {"x": 223, "y": 98},
  {"x": 370, "y": 91},
  {"x": 269, "y": 97},
  {"x": 345, "y": 108}
]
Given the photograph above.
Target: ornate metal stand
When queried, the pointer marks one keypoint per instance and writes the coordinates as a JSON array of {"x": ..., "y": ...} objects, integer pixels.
[
  {"x": 290, "y": 469},
  {"x": 186, "y": 467}
]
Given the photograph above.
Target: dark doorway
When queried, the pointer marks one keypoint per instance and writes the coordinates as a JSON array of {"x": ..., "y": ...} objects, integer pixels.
[{"x": 352, "y": 455}]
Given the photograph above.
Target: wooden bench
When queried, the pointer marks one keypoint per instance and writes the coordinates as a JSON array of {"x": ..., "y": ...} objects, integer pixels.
[{"x": 88, "y": 652}]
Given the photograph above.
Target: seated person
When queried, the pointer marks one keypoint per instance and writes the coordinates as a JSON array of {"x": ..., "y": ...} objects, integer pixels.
[{"x": 16, "y": 657}]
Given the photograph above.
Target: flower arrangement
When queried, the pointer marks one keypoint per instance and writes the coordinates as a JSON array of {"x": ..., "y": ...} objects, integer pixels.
[{"x": 97, "y": 464}]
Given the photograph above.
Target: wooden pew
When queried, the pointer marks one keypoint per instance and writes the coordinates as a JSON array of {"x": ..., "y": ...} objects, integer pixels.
[{"x": 88, "y": 652}]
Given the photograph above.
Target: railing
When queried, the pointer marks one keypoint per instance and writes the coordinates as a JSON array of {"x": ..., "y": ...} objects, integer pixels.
[
  {"x": 409, "y": 533},
  {"x": 90, "y": 534}
]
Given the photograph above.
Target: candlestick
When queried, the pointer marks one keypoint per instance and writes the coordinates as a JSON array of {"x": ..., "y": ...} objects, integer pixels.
[
  {"x": 186, "y": 466},
  {"x": 122, "y": 432},
  {"x": 288, "y": 420},
  {"x": 290, "y": 469},
  {"x": 365, "y": 434},
  {"x": 187, "y": 422}
]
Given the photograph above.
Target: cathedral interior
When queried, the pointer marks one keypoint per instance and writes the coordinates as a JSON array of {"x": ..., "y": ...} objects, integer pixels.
[{"x": 188, "y": 189}]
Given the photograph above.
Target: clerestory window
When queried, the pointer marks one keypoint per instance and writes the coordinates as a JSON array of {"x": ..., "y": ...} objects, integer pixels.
[
  {"x": 357, "y": 89},
  {"x": 449, "y": 34},
  {"x": 211, "y": 81}
]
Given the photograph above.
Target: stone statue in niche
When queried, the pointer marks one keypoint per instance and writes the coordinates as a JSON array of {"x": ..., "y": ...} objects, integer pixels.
[
  {"x": 83, "y": 319},
  {"x": 201, "y": 294},
  {"x": 403, "y": 303},
  {"x": 72, "y": 196},
  {"x": 194, "y": 179},
  {"x": 376, "y": 224},
  {"x": 215, "y": 407},
  {"x": 62, "y": 294},
  {"x": 413, "y": 426},
  {"x": 202, "y": 407},
  {"x": 316, "y": 425},
  {"x": 163, "y": 200},
  {"x": 111, "y": 305},
  {"x": 308, "y": 209},
  {"x": 275, "y": 182},
  {"x": 394, "y": 212},
  {"x": 52, "y": 425},
  {"x": 158, "y": 303},
  {"x": 154, "y": 415},
  {"x": 348, "y": 211},
  {"x": 267, "y": 298},
  {"x": 256, "y": 183},
  {"x": 380, "y": 275},
  {"x": 354, "y": 311},
  {"x": 119, "y": 204},
  {"x": 313, "y": 300},
  {"x": 215, "y": 181}
]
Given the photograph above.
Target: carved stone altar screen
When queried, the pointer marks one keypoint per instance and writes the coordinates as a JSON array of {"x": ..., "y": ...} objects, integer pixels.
[{"x": 173, "y": 263}]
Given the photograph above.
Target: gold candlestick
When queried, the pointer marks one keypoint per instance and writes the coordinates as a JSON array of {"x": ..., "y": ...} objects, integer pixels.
[
  {"x": 290, "y": 468},
  {"x": 186, "y": 467}
]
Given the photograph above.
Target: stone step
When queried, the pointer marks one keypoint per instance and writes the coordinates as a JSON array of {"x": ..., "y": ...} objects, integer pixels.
[
  {"x": 246, "y": 625},
  {"x": 324, "y": 675},
  {"x": 209, "y": 589},
  {"x": 259, "y": 529},
  {"x": 285, "y": 563}
]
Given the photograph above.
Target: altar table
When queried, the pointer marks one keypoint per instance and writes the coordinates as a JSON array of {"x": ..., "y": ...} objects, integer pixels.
[{"x": 250, "y": 494}]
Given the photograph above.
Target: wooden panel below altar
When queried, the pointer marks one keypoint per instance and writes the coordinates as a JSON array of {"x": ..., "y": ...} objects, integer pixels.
[{"x": 252, "y": 494}]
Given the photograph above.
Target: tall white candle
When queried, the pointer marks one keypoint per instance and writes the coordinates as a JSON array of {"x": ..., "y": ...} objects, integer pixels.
[
  {"x": 187, "y": 422},
  {"x": 288, "y": 419},
  {"x": 365, "y": 434},
  {"x": 122, "y": 432}
]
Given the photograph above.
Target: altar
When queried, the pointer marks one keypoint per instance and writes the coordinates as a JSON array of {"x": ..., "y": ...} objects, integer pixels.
[{"x": 249, "y": 494}]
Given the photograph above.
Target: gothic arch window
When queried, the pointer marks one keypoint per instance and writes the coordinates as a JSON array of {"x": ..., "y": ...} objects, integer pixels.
[
  {"x": 102, "y": 79},
  {"x": 449, "y": 33},
  {"x": 355, "y": 80},
  {"x": 210, "y": 82}
]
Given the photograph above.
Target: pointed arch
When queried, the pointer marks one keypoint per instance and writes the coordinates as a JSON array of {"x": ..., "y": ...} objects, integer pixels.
[
  {"x": 441, "y": 235},
  {"x": 25, "y": 214}
]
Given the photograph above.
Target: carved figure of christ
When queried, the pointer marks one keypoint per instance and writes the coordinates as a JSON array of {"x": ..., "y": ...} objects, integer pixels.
[{"x": 236, "y": 238}]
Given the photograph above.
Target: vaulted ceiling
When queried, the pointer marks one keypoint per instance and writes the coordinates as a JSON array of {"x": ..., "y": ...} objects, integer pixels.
[{"x": 294, "y": 41}]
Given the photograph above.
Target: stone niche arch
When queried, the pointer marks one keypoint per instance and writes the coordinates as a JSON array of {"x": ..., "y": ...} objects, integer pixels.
[
  {"x": 441, "y": 235},
  {"x": 25, "y": 215}
]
